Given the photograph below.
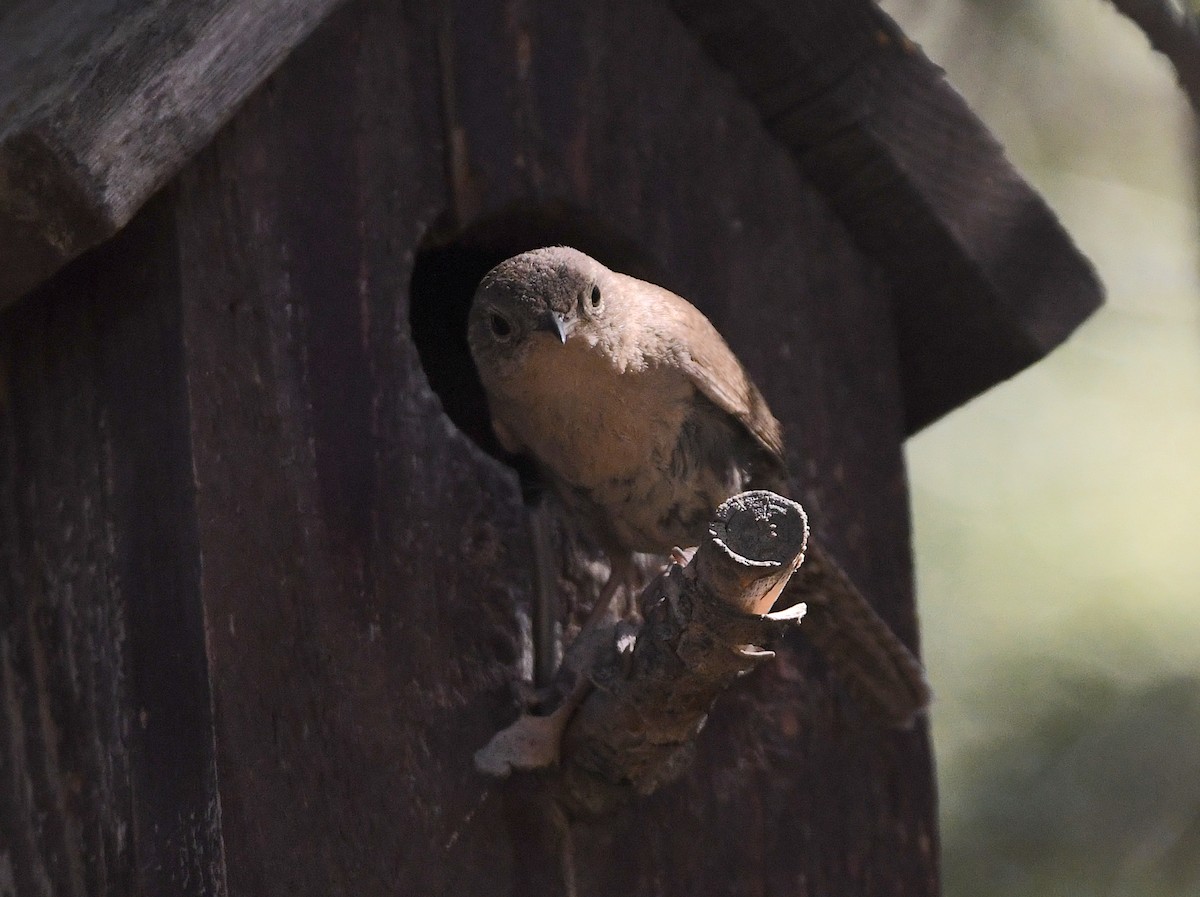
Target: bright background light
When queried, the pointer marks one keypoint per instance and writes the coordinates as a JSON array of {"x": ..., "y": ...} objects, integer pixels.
[{"x": 1057, "y": 517}]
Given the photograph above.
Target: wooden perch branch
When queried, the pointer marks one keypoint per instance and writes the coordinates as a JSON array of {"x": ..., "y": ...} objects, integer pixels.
[
  {"x": 703, "y": 628},
  {"x": 628, "y": 726},
  {"x": 628, "y": 723}
]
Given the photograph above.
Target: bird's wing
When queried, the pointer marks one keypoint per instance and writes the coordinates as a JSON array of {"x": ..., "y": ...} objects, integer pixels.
[{"x": 695, "y": 345}]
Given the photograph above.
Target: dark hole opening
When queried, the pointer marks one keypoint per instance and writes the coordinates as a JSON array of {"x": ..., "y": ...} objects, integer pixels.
[{"x": 449, "y": 265}]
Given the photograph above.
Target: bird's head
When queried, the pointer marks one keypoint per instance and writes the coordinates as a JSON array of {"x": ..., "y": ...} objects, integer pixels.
[{"x": 535, "y": 301}]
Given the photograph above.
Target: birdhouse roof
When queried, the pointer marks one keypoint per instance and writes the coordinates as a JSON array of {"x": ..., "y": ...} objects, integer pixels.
[{"x": 104, "y": 102}]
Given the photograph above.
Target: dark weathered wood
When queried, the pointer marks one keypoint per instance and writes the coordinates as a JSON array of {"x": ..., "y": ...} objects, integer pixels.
[
  {"x": 364, "y": 564},
  {"x": 985, "y": 279},
  {"x": 366, "y": 576},
  {"x": 352, "y": 573},
  {"x": 103, "y": 102},
  {"x": 106, "y": 741}
]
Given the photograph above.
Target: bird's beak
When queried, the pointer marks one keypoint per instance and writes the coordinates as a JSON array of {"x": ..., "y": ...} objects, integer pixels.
[{"x": 553, "y": 322}]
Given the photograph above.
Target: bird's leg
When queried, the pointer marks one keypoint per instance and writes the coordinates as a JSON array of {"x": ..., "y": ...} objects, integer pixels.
[
  {"x": 583, "y": 647},
  {"x": 534, "y": 740},
  {"x": 620, "y": 567},
  {"x": 545, "y": 596}
]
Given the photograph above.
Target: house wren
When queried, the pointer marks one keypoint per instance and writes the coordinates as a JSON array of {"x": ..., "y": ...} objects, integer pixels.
[{"x": 641, "y": 418}]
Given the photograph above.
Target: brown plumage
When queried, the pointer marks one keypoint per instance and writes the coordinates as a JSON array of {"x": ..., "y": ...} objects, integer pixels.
[{"x": 643, "y": 420}]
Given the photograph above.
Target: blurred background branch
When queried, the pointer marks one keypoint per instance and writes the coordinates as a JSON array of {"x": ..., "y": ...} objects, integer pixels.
[
  {"x": 1067, "y": 719},
  {"x": 1172, "y": 31}
]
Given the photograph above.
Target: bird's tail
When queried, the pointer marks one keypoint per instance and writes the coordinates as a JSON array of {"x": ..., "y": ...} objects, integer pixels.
[{"x": 875, "y": 666}]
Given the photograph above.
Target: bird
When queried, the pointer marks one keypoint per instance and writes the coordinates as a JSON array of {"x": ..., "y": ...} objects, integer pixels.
[{"x": 642, "y": 420}]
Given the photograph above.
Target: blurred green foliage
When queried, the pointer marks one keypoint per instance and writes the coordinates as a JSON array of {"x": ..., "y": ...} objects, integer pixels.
[
  {"x": 1057, "y": 518},
  {"x": 1095, "y": 790}
]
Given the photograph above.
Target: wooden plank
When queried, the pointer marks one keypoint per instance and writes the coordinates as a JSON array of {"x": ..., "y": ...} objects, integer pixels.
[
  {"x": 103, "y": 102},
  {"x": 985, "y": 278},
  {"x": 367, "y": 571},
  {"x": 617, "y": 112},
  {"x": 364, "y": 564},
  {"x": 107, "y": 101},
  {"x": 107, "y": 734}
]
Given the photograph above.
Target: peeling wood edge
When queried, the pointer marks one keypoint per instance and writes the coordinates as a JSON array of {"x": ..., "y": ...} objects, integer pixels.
[
  {"x": 67, "y": 182},
  {"x": 47, "y": 215}
]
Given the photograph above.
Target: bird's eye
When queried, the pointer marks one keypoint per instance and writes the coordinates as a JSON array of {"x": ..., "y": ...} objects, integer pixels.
[
  {"x": 595, "y": 297},
  {"x": 501, "y": 329}
]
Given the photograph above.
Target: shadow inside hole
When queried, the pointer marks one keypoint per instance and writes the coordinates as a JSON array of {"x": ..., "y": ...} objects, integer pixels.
[{"x": 448, "y": 267}]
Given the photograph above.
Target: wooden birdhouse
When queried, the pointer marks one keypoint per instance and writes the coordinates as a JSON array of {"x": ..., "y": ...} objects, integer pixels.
[{"x": 265, "y": 577}]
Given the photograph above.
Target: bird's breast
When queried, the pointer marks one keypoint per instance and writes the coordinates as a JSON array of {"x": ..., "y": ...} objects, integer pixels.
[
  {"x": 634, "y": 449},
  {"x": 589, "y": 420}
]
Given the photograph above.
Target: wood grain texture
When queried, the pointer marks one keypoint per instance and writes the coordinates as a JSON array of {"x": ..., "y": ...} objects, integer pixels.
[
  {"x": 692, "y": 175},
  {"x": 106, "y": 739},
  {"x": 106, "y": 101},
  {"x": 103, "y": 102},
  {"x": 364, "y": 564},
  {"x": 221, "y": 460},
  {"x": 367, "y": 573},
  {"x": 985, "y": 279},
  {"x": 703, "y": 628}
]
